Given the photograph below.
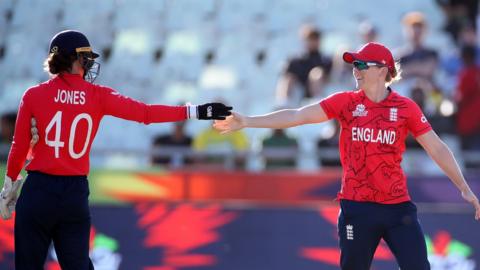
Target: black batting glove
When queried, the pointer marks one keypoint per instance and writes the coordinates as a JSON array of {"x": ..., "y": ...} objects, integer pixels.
[{"x": 209, "y": 111}]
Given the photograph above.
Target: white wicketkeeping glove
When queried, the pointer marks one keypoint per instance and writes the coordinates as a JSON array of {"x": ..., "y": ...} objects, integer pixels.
[{"x": 8, "y": 197}]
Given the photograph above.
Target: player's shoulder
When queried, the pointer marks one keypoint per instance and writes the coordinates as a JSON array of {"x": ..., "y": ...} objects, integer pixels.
[
  {"x": 345, "y": 94},
  {"x": 406, "y": 102},
  {"x": 33, "y": 90},
  {"x": 401, "y": 98},
  {"x": 102, "y": 89},
  {"x": 339, "y": 98}
]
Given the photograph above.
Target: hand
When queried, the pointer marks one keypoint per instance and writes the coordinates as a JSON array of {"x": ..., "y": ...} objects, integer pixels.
[
  {"x": 470, "y": 197},
  {"x": 232, "y": 123},
  {"x": 8, "y": 197},
  {"x": 211, "y": 111},
  {"x": 34, "y": 132}
]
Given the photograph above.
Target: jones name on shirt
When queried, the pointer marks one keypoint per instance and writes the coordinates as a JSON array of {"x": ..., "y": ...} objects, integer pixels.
[
  {"x": 373, "y": 135},
  {"x": 70, "y": 97}
]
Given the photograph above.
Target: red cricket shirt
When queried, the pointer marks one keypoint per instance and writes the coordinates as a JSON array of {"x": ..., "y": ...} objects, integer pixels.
[
  {"x": 372, "y": 141},
  {"x": 68, "y": 111}
]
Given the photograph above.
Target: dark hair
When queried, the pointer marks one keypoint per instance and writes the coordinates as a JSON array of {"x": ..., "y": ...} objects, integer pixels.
[
  {"x": 310, "y": 32},
  {"x": 468, "y": 54},
  {"x": 9, "y": 117},
  {"x": 56, "y": 63}
]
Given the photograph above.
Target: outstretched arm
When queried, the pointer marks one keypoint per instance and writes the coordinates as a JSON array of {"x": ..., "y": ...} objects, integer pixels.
[
  {"x": 444, "y": 158},
  {"x": 279, "y": 119},
  {"x": 128, "y": 108}
]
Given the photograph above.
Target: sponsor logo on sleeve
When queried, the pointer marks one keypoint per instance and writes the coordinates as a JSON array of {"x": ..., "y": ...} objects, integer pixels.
[{"x": 423, "y": 119}]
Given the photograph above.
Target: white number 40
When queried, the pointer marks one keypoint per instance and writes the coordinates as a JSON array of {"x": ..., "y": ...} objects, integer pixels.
[{"x": 57, "y": 143}]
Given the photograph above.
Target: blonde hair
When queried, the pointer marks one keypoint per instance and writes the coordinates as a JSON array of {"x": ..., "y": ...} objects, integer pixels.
[
  {"x": 414, "y": 18},
  {"x": 389, "y": 79}
]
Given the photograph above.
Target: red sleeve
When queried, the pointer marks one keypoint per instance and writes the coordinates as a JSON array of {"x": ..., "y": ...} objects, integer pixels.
[
  {"x": 120, "y": 106},
  {"x": 333, "y": 104},
  {"x": 21, "y": 140},
  {"x": 417, "y": 123}
]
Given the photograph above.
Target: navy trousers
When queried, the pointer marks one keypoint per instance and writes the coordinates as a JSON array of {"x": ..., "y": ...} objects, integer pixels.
[
  {"x": 361, "y": 226},
  {"x": 53, "y": 209}
]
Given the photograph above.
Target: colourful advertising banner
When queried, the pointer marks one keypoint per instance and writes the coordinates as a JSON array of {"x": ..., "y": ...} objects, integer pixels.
[
  {"x": 224, "y": 220},
  {"x": 167, "y": 236}
]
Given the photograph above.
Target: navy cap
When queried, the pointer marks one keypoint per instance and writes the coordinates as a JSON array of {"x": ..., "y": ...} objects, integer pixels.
[{"x": 70, "y": 42}]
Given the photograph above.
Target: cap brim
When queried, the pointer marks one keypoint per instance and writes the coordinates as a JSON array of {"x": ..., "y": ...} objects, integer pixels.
[{"x": 350, "y": 57}]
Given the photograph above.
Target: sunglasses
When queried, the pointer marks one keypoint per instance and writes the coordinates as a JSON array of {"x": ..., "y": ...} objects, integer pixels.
[{"x": 361, "y": 65}]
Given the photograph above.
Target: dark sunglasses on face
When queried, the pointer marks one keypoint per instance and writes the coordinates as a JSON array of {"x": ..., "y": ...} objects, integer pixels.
[{"x": 361, "y": 65}]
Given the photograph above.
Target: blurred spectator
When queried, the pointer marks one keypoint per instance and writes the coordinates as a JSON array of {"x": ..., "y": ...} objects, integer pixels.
[
  {"x": 468, "y": 100},
  {"x": 309, "y": 71},
  {"x": 468, "y": 36},
  {"x": 417, "y": 60},
  {"x": 368, "y": 32},
  {"x": 341, "y": 72},
  {"x": 427, "y": 96},
  {"x": 7, "y": 127},
  {"x": 434, "y": 105},
  {"x": 279, "y": 150},
  {"x": 417, "y": 94},
  {"x": 459, "y": 13},
  {"x": 179, "y": 140},
  {"x": 218, "y": 148},
  {"x": 452, "y": 63},
  {"x": 328, "y": 146}
]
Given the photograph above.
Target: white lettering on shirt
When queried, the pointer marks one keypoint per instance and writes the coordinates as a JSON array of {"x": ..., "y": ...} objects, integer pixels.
[
  {"x": 372, "y": 135},
  {"x": 70, "y": 97}
]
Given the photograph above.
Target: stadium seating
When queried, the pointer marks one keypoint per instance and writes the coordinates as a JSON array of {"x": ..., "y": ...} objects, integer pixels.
[{"x": 167, "y": 51}]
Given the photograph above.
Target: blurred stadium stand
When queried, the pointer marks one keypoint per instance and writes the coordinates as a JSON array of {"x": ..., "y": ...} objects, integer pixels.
[{"x": 168, "y": 51}]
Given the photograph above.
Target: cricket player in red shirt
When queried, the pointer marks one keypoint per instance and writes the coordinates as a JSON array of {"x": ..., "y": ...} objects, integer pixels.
[
  {"x": 375, "y": 121},
  {"x": 53, "y": 205}
]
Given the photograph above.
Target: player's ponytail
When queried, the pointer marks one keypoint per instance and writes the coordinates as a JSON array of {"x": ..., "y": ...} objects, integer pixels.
[
  {"x": 389, "y": 79},
  {"x": 57, "y": 63}
]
